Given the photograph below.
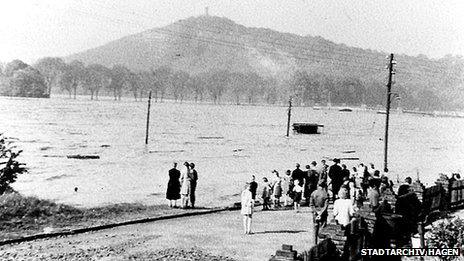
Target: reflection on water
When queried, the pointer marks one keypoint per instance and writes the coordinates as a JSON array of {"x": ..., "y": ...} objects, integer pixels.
[{"x": 227, "y": 143}]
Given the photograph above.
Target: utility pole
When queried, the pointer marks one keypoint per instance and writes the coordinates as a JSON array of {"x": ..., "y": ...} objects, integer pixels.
[
  {"x": 148, "y": 118},
  {"x": 289, "y": 115},
  {"x": 387, "y": 121}
]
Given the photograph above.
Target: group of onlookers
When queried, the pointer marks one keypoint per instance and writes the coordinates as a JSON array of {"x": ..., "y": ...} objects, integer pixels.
[
  {"x": 314, "y": 186},
  {"x": 182, "y": 185}
]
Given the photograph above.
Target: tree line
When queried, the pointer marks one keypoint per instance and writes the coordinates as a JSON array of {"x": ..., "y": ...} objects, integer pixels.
[{"x": 307, "y": 88}]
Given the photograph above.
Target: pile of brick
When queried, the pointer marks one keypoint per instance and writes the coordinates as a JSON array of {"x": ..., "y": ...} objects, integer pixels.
[
  {"x": 418, "y": 188},
  {"x": 286, "y": 254},
  {"x": 369, "y": 217},
  {"x": 390, "y": 197},
  {"x": 334, "y": 232},
  {"x": 444, "y": 181}
]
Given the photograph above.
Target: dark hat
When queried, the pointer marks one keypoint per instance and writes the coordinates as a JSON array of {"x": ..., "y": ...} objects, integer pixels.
[{"x": 336, "y": 160}]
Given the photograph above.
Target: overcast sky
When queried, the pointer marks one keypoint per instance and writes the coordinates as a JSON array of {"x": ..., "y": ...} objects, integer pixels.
[{"x": 30, "y": 29}]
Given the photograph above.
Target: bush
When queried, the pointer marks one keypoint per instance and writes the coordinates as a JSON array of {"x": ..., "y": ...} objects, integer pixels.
[
  {"x": 14, "y": 206},
  {"x": 10, "y": 168},
  {"x": 447, "y": 234}
]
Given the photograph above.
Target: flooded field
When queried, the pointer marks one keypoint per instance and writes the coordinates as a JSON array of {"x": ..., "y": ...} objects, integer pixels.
[{"x": 227, "y": 143}]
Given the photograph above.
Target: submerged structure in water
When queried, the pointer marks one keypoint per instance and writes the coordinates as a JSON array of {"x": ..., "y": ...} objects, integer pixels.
[{"x": 307, "y": 128}]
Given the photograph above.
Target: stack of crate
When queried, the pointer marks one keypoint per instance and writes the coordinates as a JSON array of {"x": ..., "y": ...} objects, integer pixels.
[{"x": 286, "y": 254}]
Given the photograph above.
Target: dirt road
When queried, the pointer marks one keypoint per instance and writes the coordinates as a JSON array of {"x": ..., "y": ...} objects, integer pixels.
[{"x": 207, "y": 237}]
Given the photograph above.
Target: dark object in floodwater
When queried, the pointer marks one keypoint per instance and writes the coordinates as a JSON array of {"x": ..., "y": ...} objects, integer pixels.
[
  {"x": 105, "y": 146},
  {"x": 78, "y": 156},
  {"x": 346, "y": 110},
  {"x": 75, "y": 189},
  {"x": 165, "y": 151},
  {"x": 342, "y": 158},
  {"x": 348, "y": 151},
  {"x": 306, "y": 128}
]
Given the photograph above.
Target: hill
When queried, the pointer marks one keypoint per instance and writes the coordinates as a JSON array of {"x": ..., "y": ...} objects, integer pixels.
[{"x": 209, "y": 43}]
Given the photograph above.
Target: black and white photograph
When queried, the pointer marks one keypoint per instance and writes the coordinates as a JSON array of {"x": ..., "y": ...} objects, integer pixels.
[{"x": 228, "y": 130}]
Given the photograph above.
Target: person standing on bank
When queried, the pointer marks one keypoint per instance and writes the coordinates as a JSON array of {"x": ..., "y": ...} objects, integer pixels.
[
  {"x": 247, "y": 204},
  {"x": 173, "y": 191},
  {"x": 193, "y": 184},
  {"x": 253, "y": 187},
  {"x": 276, "y": 189},
  {"x": 266, "y": 194},
  {"x": 186, "y": 186},
  {"x": 286, "y": 187},
  {"x": 323, "y": 169},
  {"x": 298, "y": 174},
  {"x": 335, "y": 174},
  {"x": 343, "y": 210},
  {"x": 297, "y": 194},
  {"x": 319, "y": 202}
]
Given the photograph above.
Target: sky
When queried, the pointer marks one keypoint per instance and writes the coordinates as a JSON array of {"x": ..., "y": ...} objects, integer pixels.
[{"x": 31, "y": 29}]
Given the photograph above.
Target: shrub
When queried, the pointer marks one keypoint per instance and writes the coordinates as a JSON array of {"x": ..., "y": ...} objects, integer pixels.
[
  {"x": 10, "y": 168},
  {"x": 447, "y": 234}
]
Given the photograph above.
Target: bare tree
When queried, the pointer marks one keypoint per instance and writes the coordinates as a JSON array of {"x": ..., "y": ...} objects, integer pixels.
[
  {"x": 162, "y": 80},
  {"x": 119, "y": 79},
  {"x": 50, "y": 68},
  {"x": 71, "y": 77},
  {"x": 96, "y": 77},
  {"x": 179, "y": 85}
]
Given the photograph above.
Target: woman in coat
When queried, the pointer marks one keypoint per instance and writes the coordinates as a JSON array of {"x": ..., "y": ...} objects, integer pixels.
[
  {"x": 247, "y": 204},
  {"x": 173, "y": 191},
  {"x": 185, "y": 181},
  {"x": 276, "y": 189},
  {"x": 266, "y": 194}
]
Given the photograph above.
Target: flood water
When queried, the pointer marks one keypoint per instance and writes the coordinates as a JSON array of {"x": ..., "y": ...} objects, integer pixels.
[{"x": 227, "y": 143}]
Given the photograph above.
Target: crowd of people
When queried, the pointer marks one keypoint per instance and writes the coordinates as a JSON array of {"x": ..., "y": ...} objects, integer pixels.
[
  {"x": 314, "y": 187},
  {"x": 182, "y": 185}
]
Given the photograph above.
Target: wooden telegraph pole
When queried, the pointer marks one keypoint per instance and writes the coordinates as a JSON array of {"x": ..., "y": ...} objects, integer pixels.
[
  {"x": 148, "y": 118},
  {"x": 387, "y": 121},
  {"x": 289, "y": 115}
]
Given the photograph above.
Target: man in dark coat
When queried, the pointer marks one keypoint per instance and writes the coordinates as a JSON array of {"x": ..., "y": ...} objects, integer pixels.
[
  {"x": 253, "y": 187},
  {"x": 193, "y": 183},
  {"x": 335, "y": 173},
  {"x": 298, "y": 174}
]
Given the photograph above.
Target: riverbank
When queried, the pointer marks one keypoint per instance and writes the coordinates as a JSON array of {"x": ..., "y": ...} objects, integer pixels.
[{"x": 22, "y": 216}]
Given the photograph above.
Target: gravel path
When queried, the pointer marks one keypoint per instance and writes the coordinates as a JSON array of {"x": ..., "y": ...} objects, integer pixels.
[{"x": 209, "y": 237}]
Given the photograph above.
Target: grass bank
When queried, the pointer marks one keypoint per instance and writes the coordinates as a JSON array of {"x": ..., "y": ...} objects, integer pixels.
[{"x": 21, "y": 216}]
